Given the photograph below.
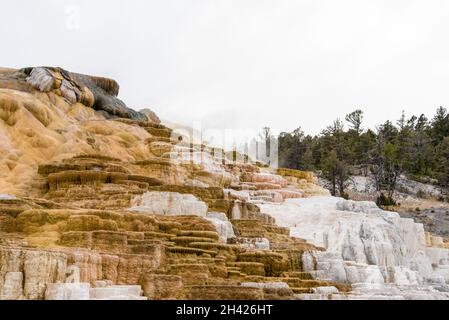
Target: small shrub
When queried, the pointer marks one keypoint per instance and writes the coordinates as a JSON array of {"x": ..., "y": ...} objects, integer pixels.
[
  {"x": 345, "y": 195},
  {"x": 403, "y": 189},
  {"x": 385, "y": 201},
  {"x": 421, "y": 194}
]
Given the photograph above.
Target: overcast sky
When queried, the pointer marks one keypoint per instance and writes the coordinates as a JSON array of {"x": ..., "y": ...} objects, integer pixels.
[{"x": 245, "y": 63}]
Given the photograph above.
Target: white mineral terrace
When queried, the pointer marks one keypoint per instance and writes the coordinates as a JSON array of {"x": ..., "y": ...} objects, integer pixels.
[{"x": 382, "y": 255}]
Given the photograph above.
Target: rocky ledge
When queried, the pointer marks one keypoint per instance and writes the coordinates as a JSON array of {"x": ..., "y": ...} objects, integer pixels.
[{"x": 94, "y": 92}]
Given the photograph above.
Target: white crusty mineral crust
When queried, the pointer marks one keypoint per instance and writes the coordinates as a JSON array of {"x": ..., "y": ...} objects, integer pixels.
[
  {"x": 12, "y": 286},
  {"x": 67, "y": 291},
  {"x": 222, "y": 225},
  {"x": 364, "y": 245},
  {"x": 7, "y": 197},
  {"x": 266, "y": 285},
  {"x": 169, "y": 203}
]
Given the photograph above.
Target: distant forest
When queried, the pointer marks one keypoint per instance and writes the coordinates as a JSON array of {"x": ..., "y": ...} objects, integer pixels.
[{"x": 417, "y": 147}]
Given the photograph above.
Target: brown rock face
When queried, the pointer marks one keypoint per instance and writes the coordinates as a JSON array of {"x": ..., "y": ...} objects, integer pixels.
[{"x": 163, "y": 287}]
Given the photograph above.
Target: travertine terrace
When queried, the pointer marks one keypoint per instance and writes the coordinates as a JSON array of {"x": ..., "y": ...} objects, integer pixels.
[
  {"x": 104, "y": 204},
  {"x": 98, "y": 201}
]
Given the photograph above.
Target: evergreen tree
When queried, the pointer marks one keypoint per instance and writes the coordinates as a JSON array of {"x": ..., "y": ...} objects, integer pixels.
[
  {"x": 415, "y": 146},
  {"x": 355, "y": 120},
  {"x": 440, "y": 125},
  {"x": 443, "y": 163}
]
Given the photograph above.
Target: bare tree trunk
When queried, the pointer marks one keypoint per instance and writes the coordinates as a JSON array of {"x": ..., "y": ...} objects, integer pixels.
[
  {"x": 341, "y": 187},
  {"x": 334, "y": 185}
]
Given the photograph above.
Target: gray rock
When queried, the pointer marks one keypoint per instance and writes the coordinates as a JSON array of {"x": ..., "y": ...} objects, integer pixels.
[{"x": 71, "y": 85}]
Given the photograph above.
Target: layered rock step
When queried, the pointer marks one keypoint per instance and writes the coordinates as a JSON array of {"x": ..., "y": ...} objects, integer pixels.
[{"x": 83, "y": 291}]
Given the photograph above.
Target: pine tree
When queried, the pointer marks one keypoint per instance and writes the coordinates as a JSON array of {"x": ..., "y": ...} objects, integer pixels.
[
  {"x": 440, "y": 125},
  {"x": 443, "y": 163}
]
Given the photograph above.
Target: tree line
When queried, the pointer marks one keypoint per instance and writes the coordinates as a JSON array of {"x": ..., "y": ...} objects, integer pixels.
[{"x": 415, "y": 146}]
